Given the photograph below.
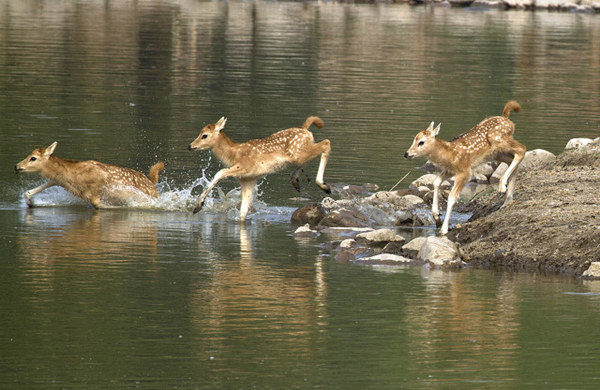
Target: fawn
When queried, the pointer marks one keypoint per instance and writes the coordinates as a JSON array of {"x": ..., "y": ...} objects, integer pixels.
[
  {"x": 103, "y": 185},
  {"x": 491, "y": 139},
  {"x": 250, "y": 160}
]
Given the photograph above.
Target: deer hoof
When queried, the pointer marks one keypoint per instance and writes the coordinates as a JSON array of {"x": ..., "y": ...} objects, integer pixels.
[{"x": 198, "y": 208}]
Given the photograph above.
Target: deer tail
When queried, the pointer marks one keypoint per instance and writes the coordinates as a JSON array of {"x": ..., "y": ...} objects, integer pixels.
[
  {"x": 511, "y": 105},
  {"x": 154, "y": 171},
  {"x": 313, "y": 120}
]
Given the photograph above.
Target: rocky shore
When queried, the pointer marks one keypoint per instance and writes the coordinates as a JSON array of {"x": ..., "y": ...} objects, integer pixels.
[
  {"x": 582, "y": 6},
  {"x": 553, "y": 224}
]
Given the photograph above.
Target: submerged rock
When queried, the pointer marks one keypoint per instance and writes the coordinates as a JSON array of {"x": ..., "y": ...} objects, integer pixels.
[
  {"x": 310, "y": 214},
  {"x": 384, "y": 259},
  {"x": 379, "y": 237},
  {"x": 305, "y": 231}
]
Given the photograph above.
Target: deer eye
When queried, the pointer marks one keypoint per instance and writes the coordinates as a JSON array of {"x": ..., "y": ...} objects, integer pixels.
[
  {"x": 421, "y": 143},
  {"x": 32, "y": 159},
  {"x": 204, "y": 136}
]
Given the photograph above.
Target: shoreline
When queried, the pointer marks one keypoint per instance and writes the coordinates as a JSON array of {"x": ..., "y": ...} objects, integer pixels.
[{"x": 551, "y": 226}]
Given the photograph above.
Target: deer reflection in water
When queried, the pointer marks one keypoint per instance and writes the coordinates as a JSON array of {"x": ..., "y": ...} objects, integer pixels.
[{"x": 278, "y": 303}]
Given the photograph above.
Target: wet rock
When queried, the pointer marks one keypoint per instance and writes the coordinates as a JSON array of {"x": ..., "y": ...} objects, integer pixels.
[
  {"x": 345, "y": 217},
  {"x": 412, "y": 248},
  {"x": 352, "y": 254},
  {"x": 310, "y": 214},
  {"x": 394, "y": 247},
  {"x": 536, "y": 159},
  {"x": 351, "y": 191},
  {"x": 344, "y": 232},
  {"x": 384, "y": 259},
  {"x": 440, "y": 252},
  {"x": 416, "y": 217},
  {"x": 348, "y": 243},
  {"x": 593, "y": 271},
  {"x": 379, "y": 237},
  {"x": 305, "y": 232},
  {"x": 576, "y": 143}
]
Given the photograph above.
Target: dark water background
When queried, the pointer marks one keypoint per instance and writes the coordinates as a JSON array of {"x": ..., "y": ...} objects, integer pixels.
[{"x": 157, "y": 298}]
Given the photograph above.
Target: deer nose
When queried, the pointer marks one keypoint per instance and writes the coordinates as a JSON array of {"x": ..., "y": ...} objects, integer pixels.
[
  {"x": 190, "y": 147},
  {"x": 406, "y": 155}
]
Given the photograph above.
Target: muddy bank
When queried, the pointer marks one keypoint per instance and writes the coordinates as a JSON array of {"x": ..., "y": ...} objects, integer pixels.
[{"x": 553, "y": 225}]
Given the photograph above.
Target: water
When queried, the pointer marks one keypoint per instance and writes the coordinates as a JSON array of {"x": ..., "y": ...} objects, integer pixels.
[{"x": 155, "y": 297}]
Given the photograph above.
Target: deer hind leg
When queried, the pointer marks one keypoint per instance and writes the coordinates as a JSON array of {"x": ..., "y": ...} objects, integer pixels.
[
  {"x": 247, "y": 195},
  {"x": 29, "y": 194},
  {"x": 513, "y": 158},
  {"x": 435, "y": 208},
  {"x": 295, "y": 177},
  {"x": 459, "y": 182}
]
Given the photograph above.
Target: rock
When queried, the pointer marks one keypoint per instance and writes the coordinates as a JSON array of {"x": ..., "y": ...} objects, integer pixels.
[
  {"x": 310, "y": 214},
  {"x": 379, "y": 237},
  {"x": 413, "y": 247},
  {"x": 440, "y": 252},
  {"x": 351, "y": 254},
  {"x": 479, "y": 178},
  {"x": 305, "y": 231},
  {"x": 344, "y": 232},
  {"x": 425, "y": 180},
  {"x": 394, "y": 247},
  {"x": 536, "y": 159},
  {"x": 495, "y": 178},
  {"x": 593, "y": 271},
  {"x": 576, "y": 143},
  {"x": 417, "y": 217},
  {"x": 484, "y": 170},
  {"x": 348, "y": 243},
  {"x": 345, "y": 217},
  {"x": 384, "y": 259},
  {"x": 393, "y": 199}
]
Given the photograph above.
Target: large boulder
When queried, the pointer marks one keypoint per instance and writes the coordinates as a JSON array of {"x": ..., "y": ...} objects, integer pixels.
[
  {"x": 536, "y": 159},
  {"x": 412, "y": 248},
  {"x": 576, "y": 143},
  {"x": 440, "y": 252}
]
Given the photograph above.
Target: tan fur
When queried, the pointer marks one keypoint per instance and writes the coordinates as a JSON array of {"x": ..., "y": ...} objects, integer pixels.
[
  {"x": 491, "y": 139},
  {"x": 101, "y": 184},
  {"x": 255, "y": 158}
]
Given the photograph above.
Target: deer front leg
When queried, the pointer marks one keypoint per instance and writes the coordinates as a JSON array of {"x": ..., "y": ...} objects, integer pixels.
[
  {"x": 459, "y": 182},
  {"x": 435, "y": 208},
  {"x": 29, "y": 194},
  {"x": 325, "y": 145},
  {"x": 226, "y": 172}
]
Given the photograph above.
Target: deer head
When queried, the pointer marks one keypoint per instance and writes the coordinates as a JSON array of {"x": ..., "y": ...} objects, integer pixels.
[
  {"x": 36, "y": 160},
  {"x": 423, "y": 143},
  {"x": 208, "y": 136}
]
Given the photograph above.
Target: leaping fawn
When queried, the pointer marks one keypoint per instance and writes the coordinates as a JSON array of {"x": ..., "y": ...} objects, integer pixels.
[
  {"x": 491, "y": 139},
  {"x": 250, "y": 160},
  {"x": 103, "y": 185}
]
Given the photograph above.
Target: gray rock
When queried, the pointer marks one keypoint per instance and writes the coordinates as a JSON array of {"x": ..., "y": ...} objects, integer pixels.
[
  {"x": 440, "y": 252},
  {"x": 576, "y": 143},
  {"x": 417, "y": 217},
  {"x": 536, "y": 159},
  {"x": 484, "y": 170},
  {"x": 348, "y": 243},
  {"x": 310, "y": 214},
  {"x": 345, "y": 217},
  {"x": 344, "y": 232},
  {"x": 593, "y": 271},
  {"x": 305, "y": 231},
  {"x": 413, "y": 247},
  {"x": 379, "y": 237},
  {"x": 384, "y": 259}
]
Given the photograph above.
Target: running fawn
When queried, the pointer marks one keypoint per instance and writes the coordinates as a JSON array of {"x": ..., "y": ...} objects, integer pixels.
[
  {"x": 103, "y": 185},
  {"x": 250, "y": 160},
  {"x": 491, "y": 139}
]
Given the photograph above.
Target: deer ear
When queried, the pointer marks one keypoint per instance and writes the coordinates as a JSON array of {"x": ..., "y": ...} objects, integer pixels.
[
  {"x": 50, "y": 149},
  {"x": 220, "y": 124},
  {"x": 428, "y": 130},
  {"x": 436, "y": 131}
]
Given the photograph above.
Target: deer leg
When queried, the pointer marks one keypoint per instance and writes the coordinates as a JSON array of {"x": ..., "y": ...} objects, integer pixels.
[
  {"x": 226, "y": 172},
  {"x": 29, "y": 194},
  {"x": 247, "y": 195},
  {"x": 325, "y": 145},
  {"x": 459, "y": 182},
  {"x": 435, "y": 208},
  {"x": 518, "y": 152},
  {"x": 295, "y": 177}
]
